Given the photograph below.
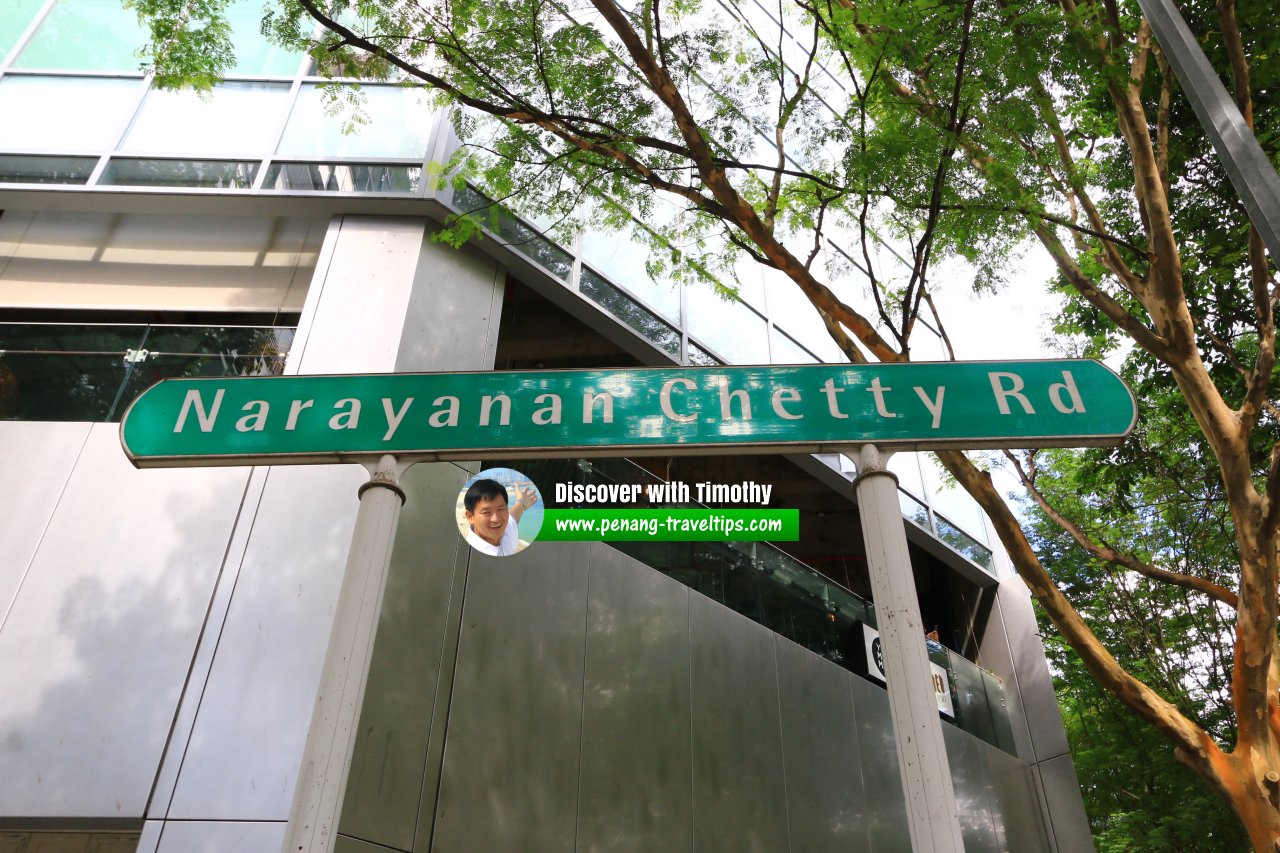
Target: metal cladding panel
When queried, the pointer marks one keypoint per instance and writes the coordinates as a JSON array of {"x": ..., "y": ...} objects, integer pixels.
[
  {"x": 95, "y": 649},
  {"x": 1015, "y": 807},
  {"x": 35, "y": 462},
  {"x": 1035, "y": 684},
  {"x": 347, "y": 844},
  {"x": 221, "y": 837},
  {"x": 149, "y": 839},
  {"x": 453, "y": 312},
  {"x": 973, "y": 791},
  {"x": 389, "y": 762},
  {"x": 147, "y": 261},
  {"x": 1066, "y": 807},
  {"x": 242, "y": 759},
  {"x": 510, "y": 776},
  {"x": 826, "y": 804},
  {"x": 739, "y": 794},
  {"x": 886, "y": 808},
  {"x": 994, "y": 654},
  {"x": 360, "y": 297},
  {"x": 636, "y": 781}
]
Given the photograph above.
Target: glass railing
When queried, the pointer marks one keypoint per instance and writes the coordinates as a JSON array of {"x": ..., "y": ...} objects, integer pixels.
[
  {"x": 771, "y": 587},
  {"x": 513, "y": 232},
  {"x": 971, "y": 549},
  {"x": 63, "y": 372},
  {"x": 964, "y": 543}
]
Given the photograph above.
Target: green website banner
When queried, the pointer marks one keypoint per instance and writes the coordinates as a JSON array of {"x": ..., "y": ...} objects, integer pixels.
[
  {"x": 671, "y": 525},
  {"x": 522, "y": 414}
]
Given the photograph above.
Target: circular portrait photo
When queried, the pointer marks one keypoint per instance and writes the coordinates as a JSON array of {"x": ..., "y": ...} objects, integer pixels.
[{"x": 499, "y": 512}]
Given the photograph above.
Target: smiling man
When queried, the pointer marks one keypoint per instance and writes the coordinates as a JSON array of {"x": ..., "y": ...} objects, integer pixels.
[{"x": 494, "y": 527}]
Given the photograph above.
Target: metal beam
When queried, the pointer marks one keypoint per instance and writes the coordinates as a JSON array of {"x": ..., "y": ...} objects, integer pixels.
[{"x": 1251, "y": 173}]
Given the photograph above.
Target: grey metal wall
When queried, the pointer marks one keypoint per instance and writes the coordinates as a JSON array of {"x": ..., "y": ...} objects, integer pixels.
[
  {"x": 1011, "y": 648},
  {"x": 596, "y": 705},
  {"x": 105, "y": 575}
]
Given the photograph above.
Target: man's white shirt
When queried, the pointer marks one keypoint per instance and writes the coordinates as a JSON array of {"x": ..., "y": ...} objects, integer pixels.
[{"x": 506, "y": 546}]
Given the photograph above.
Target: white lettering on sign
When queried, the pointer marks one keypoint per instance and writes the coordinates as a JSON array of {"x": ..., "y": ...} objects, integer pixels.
[
  {"x": 550, "y": 411},
  {"x": 933, "y": 405},
  {"x": 811, "y": 408},
  {"x": 294, "y": 410},
  {"x": 348, "y": 416},
  {"x": 785, "y": 395},
  {"x": 256, "y": 420},
  {"x": 487, "y": 403},
  {"x": 879, "y": 391},
  {"x": 1067, "y": 384},
  {"x": 1010, "y": 391},
  {"x": 829, "y": 388},
  {"x": 727, "y": 397},
  {"x": 664, "y": 400},
  {"x": 589, "y": 400},
  {"x": 1015, "y": 390},
  {"x": 448, "y": 416},
  {"x": 205, "y": 418},
  {"x": 394, "y": 417}
]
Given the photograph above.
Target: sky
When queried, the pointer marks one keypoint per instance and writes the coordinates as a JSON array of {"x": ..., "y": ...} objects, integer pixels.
[{"x": 1012, "y": 323}]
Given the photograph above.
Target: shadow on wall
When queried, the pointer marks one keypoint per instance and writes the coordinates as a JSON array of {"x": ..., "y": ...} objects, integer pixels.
[{"x": 98, "y": 645}]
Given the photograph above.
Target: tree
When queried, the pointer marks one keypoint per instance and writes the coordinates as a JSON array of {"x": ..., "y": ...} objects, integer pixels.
[
  {"x": 1129, "y": 782},
  {"x": 957, "y": 128}
]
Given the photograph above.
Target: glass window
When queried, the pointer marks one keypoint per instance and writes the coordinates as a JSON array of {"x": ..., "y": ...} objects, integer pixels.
[
  {"x": 750, "y": 274},
  {"x": 906, "y": 467},
  {"x": 787, "y": 351},
  {"x": 700, "y": 357},
  {"x": 948, "y": 498},
  {"x": 74, "y": 113},
  {"x": 964, "y": 543},
  {"x": 618, "y": 255},
  {"x": 237, "y": 119},
  {"x": 630, "y": 312},
  {"x": 224, "y": 174},
  {"x": 517, "y": 235},
  {"x": 344, "y": 177},
  {"x": 914, "y": 510},
  {"x": 22, "y": 169},
  {"x": 59, "y": 372},
  {"x": 396, "y": 122},
  {"x": 790, "y": 309},
  {"x": 17, "y": 16},
  {"x": 85, "y": 35},
  {"x": 727, "y": 326},
  {"x": 254, "y": 54}
]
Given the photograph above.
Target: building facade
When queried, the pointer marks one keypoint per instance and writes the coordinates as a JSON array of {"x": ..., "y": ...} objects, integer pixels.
[{"x": 162, "y": 631}]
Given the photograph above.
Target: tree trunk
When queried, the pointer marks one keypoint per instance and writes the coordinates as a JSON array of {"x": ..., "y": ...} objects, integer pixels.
[{"x": 1242, "y": 779}]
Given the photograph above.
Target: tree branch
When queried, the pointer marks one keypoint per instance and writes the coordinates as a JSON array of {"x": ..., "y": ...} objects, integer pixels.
[
  {"x": 1111, "y": 555},
  {"x": 735, "y": 208}
]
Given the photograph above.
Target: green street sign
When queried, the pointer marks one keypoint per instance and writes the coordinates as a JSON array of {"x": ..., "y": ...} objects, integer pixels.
[{"x": 547, "y": 413}]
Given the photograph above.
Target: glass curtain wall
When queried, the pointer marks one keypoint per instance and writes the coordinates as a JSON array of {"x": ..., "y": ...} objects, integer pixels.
[{"x": 88, "y": 115}]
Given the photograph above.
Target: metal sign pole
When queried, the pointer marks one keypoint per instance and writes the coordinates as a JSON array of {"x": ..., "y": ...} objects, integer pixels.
[
  {"x": 932, "y": 815},
  {"x": 1247, "y": 165},
  {"x": 331, "y": 737}
]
